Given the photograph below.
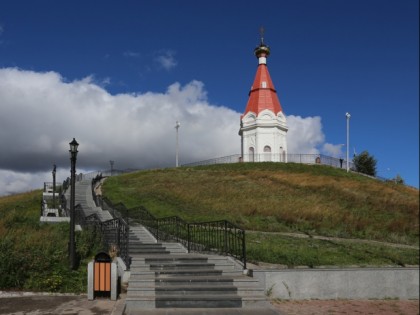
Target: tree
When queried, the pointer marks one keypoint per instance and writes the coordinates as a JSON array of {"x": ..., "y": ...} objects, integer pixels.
[
  {"x": 365, "y": 163},
  {"x": 398, "y": 179}
]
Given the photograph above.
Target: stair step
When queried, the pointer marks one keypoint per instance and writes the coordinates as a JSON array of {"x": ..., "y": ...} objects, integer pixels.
[
  {"x": 148, "y": 251},
  {"x": 204, "y": 311},
  {"x": 178, "y": 266},
  {"x": 163, "y": 276},
  {"x": 188, "y": 290},
  {"x": 198, "y": 301}
]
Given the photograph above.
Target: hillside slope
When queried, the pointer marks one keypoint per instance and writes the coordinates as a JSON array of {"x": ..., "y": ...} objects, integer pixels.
[
  {"x": 33, "y": 255},
  {"x": 277, "y": 197}
]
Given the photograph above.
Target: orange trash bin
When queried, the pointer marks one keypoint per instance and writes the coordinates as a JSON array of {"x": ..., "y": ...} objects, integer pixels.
[{"x": 102, "y": 274}]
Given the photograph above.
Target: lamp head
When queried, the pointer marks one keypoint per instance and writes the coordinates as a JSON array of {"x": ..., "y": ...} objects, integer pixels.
[{"x": 73, "y": 147}]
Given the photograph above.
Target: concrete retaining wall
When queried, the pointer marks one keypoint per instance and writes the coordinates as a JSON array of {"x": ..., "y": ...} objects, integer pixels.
[{"x": 352, "y": 283}]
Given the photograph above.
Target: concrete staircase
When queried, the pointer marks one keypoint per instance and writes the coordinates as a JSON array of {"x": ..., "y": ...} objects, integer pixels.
[
  {"x": 83, "y": 196},
  {"x": 165, "y": 277}
]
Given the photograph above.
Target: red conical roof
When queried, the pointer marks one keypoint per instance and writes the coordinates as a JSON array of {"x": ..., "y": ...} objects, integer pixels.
[{"x": 263, "y": 95}]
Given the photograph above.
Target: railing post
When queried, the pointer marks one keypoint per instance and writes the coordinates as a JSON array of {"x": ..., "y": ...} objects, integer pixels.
[
  {"x": 188, "y": 237},
  {"x": 118, "y": 233},
  {"x": 226, "y": 248},
  {"x": 244, "y": 249},
  {"x": 157, "y": 230}
]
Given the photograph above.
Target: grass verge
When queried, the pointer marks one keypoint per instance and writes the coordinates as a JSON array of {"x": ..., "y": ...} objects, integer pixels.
[
  {"x": 292, "y": 252},
  {"x": 34, "y": 256}
]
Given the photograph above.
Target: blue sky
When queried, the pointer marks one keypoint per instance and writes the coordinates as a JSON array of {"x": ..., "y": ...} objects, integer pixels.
[{"x": 328, "y": 57}]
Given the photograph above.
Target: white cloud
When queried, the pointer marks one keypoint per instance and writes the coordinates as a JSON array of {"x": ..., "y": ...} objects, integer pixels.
[
  {"x": 305, "y": 134},
  {"x": 167, "y": 60},
  {"x": 40, "y": 113},
  {"x": 334, "y": 150},
  {"x": 12, "y": 182}
]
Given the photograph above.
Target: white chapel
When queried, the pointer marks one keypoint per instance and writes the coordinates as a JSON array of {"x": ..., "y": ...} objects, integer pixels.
[{"x": 263, "y": 124}]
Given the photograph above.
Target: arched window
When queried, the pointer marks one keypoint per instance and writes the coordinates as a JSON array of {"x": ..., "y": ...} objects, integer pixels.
[
  {"x": 267, "y": 153},
  {"x": 251, "y": 154}
]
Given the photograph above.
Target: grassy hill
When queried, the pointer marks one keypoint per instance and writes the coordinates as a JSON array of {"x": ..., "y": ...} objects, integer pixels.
[
  {"x": 267, "y": 199},
  {"x": 277, "y": 197},
  {"x": 33, "y": 256}
]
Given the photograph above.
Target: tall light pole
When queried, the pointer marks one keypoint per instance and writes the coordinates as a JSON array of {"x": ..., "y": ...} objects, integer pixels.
[
  {"x": 348, "y": 139},
  {"x": 53, "y": 175},
  {"x": 177, "y": 125},
  {"x": 112, "y": 166},
  {"x": 72, "y": 245}
]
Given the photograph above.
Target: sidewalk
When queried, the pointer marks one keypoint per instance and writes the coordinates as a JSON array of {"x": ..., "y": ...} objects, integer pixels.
[
  {"x": 46, "y": 304},
  {"x": 18, "y": 303}
]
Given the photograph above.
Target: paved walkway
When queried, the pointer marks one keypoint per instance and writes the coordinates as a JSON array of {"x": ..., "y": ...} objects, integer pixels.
[
  {"x": 33, "y": 304},
  {"x": 47, "y": 304}
]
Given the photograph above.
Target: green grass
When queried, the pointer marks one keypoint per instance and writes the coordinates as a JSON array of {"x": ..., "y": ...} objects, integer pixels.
[
  {"x": 292, "y": 252},
  {"x": 34, "y": 256},
  {"x": 265, "y": 197},
  {"x": 277, "y": 197}
]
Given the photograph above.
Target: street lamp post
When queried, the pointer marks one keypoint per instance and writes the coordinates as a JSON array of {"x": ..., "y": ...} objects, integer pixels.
[
  {"x": 72, "y": 245},
  {"x": 177, "y": 125},
  {"x": 112, "y": 166},
  {"x": 348, "y": 140},
  {"x": 53, "y": 175}
]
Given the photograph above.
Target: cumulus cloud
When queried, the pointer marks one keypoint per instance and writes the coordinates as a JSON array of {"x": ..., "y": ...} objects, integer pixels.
[
  {"x": 40, "y": 113},
  {"x": 166, "y": 60},
  {"x": 12, "y": 182},
  {"x": 334, "y": 150},
  {"x": 305, "y": 134}
]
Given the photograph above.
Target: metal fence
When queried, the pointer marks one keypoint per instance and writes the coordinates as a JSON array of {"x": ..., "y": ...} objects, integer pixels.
[
  {"x": 105, "y": 173},
  {"x": 282, "y": 158},
  {"x": 114, "y": 232},
  {"x": 220, "y": 237}
]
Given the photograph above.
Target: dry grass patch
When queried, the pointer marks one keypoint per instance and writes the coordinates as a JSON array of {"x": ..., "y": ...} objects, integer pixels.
[{"x": 277, "y": 197}]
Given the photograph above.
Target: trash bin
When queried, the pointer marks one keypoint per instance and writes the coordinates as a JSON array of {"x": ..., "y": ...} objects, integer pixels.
[
  {"x": 102, "y": 277},
  {"x": 102, "y": 274}
]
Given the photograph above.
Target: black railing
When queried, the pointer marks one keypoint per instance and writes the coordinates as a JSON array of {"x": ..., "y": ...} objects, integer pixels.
[
  {"x": 221, "y": 237},
  {"x": 114, "y": 232}
]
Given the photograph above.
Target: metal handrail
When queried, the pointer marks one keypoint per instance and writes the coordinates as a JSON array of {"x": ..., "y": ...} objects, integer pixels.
[
  {"x": 222, "y": 237},
  {"x": 114, "y": 232}
]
